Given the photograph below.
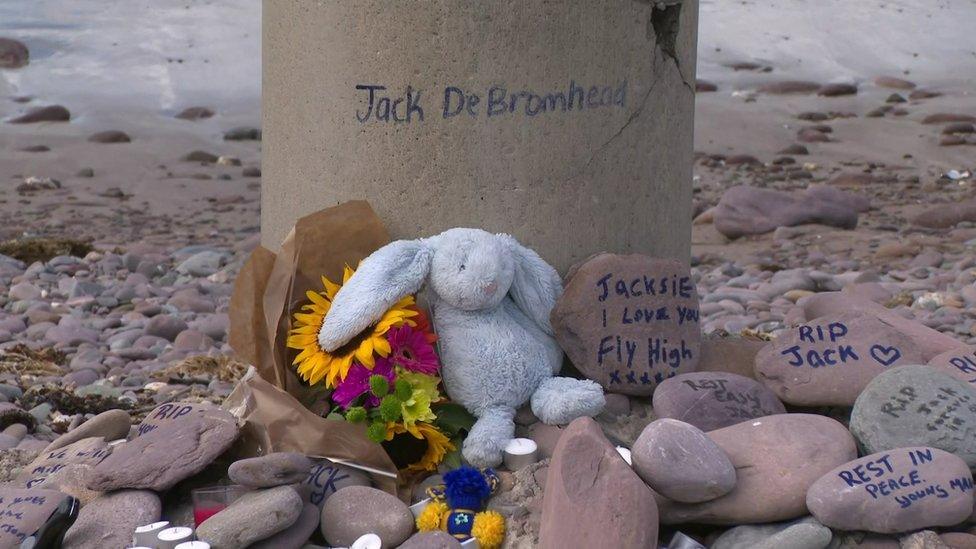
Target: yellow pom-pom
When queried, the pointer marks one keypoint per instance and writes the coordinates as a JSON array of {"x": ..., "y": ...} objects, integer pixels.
[
  {"x": 489, "y": 529},
  {"x": 432, "y": 516}
]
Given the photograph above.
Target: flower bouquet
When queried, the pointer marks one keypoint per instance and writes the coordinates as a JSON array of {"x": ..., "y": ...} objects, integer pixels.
[{"x": 386, "y": 378}]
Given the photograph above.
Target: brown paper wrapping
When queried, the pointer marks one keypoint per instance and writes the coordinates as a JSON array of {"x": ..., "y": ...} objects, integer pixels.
[
  {"x": 273, "y": 421},
  {"x": 269, "y": 288}
]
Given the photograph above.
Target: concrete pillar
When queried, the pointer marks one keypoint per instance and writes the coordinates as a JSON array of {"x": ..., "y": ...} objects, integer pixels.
[{"x": 566, "y": 124}]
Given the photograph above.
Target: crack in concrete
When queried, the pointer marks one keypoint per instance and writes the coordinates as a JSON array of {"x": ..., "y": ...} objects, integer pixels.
[{"x": 662, "y": 27}]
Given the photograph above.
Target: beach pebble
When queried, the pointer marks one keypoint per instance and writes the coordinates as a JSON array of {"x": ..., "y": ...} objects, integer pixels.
[
  {"x": 204, "y": 263},
  {"x": 24, "y": 291},
  {"x": 589, "y": 491},
  {"x": 165, "y": 326},
  {"x": 681, "y": 463},
  {"x": 296, "y": 535},
  {"x": 836, "y": 90},
  {"x": 31, "y": 509},
  {"x": 13, "y": 54},
  {"x": 359, "y": 510},
  {"x": 431, "y": 540},
  {"x": 897, "y": 490},
  {"x": 805, "y": 533},
  {"x": 326, "y": 478},
  {"x": 712, "y": 400},
  {"x": 243, "y": 133},
  {"x": 160, "y": 458},
  {"x": 959, "y": 363},
  {"x": 110, "y": 425},
  {"x": 646, "y": 301},
  {"x": 110, "y": 136},
  {"x": 769, "y": 486},
  {"x": 110, "y": 519},
  {"x": 51, "y": 113},
  {"x": 745, "y": 210},
  {"x": 913, "y": 406},
  {"x": 274, "y": 469},
  {"x": 252, "y": 517},
  {"x": 195, "y": 113},
  {"x": 829, "y": 361}
]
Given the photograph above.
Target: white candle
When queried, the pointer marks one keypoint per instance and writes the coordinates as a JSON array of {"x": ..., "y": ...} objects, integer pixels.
[
  {"x": 419, "y": 507},
  {"x": 625, "y": 453},
  {"x": 471, "y": 543},
  {"x": 171, "y": 537},
  {"x": 368, "y": 541},
  {"x": 193, "y": 545},
  {"x": 146, "y": 535},
  {"x": 519, "y": 453}
]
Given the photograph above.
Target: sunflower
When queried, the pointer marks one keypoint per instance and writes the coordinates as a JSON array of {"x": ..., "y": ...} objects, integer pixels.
[
  {"x": 314, "y": 363},
  {"x": 422, "y": 450}
]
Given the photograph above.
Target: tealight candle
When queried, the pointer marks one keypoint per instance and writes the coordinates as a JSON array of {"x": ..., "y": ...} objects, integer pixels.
[
  {"x": 367, "y": 541},
  {"x": 419, "y": 507},
  {"x": 193, "y": 545},
  {"x": 146, "y": 534},
  {"x": 519, "y": 453},
  {"x": 625, "y": 453},
  {"x": 171, "y": 537}
]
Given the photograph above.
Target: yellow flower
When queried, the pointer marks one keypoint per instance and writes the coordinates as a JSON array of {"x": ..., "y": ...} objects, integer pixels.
[
  {"x": 438, "y": 445},
  {"x": 314, "y": 363}
]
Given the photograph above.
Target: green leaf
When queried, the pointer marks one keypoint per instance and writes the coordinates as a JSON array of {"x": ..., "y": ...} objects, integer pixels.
[
  {"x": 453, "y": 459},
  {"x": 452, "y": 418}
]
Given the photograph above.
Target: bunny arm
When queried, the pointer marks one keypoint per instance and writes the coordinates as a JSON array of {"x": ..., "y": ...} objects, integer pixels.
[
  {"x": 536, "y": 286},
  {"x": 385, "y": 277}
]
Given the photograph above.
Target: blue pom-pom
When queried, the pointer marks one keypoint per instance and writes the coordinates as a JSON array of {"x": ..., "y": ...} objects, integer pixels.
[{"x": 466, "y": 488}]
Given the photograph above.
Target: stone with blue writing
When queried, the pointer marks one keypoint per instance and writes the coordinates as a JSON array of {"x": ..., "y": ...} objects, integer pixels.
[
  {"x": 629, "y": 322},
  {"x": 681, "y": 463},
  {"x": 898, "y": 490},
  {"x": 327, "y": 478},
  {"x": 88, "y": 452},
  {"x": 959, "y": 362},
  {"x": 22, "y": 512},
  {"x": 712, "y": 400},
  {"x": 777, "y": 459},
  {"x": 830, "y": 360},
  {"x": 164, "y": 456},
  {"x": 917, "y": 406},
  {"x": 170, "y": 412}
]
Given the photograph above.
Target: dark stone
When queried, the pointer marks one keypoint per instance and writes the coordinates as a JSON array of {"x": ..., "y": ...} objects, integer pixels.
[
  {"x": 13, "y": 54},
  {"x": 195, "y": 113},
  {"x": 51, "y": 113},
  {"x": 110, "y": 136}
]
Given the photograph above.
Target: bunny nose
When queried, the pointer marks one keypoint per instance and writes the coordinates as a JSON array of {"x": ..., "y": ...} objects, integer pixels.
[{"x": 490, "y": 289}]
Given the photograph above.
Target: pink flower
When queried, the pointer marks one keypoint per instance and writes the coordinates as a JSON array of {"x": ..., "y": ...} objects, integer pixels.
[
  {"x": 411, "y": 351},
  {"x": 356, "y": 383}
]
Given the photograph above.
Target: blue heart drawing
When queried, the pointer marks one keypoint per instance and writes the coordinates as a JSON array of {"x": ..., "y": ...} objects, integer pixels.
[{"x": 886, "y": 356}]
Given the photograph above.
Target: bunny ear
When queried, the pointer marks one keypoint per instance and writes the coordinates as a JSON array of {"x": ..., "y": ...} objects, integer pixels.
[
  {"x": 536, "y": 285},
  {"x": 385, "y": 277}
]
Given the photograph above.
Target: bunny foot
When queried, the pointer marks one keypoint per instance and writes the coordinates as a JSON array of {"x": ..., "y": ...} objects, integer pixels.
[
  {"x": 560, "y": 400},
  {"x": 484, "y": 444}
]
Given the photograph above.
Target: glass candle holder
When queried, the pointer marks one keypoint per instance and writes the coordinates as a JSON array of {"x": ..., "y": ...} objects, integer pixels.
[{"x": 211, "y": 500}]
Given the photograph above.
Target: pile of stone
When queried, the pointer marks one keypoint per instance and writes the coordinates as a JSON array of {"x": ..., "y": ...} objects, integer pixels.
[{"x": 843, "y": 416}]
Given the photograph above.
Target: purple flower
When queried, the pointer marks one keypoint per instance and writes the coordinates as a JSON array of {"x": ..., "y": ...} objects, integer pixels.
[
  {"x": 411, "y": 351},
  {"x": 356, "y": 383}
]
